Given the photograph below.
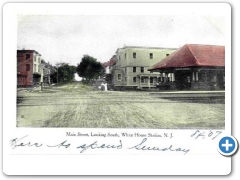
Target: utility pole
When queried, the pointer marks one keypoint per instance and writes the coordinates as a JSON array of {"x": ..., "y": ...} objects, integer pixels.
[
  {"x": 57, "y": 65},
  {"x": 41, "y": 77},
  {"x": 49, "y": 78},
  {"x": 57, "y": 74}
]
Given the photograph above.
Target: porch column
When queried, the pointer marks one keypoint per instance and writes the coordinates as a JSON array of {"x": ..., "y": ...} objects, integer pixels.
[
  {"x": 140, "y": 82},
  {"x": 161, "y": 75},
  {"x": 41, "y": 79},
  {"x": 149, "y": 86},
  {"x": 164, "y": 79},
  {"x": 173, "y": 77}
]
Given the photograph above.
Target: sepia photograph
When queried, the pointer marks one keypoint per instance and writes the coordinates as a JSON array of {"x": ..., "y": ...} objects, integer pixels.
[{"x": 112, "y": 71}]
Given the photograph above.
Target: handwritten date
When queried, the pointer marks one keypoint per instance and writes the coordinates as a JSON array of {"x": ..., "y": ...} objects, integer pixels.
[{"x": 208, "y": 134}]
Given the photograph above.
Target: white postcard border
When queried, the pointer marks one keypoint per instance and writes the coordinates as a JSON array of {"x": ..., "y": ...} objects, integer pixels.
[{"x": 112, "y": 163}]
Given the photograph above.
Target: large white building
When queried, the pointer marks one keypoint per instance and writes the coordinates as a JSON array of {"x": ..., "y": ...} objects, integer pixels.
[{"x": 132, "y": 63}]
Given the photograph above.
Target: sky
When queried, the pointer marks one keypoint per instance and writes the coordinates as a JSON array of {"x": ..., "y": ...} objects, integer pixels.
[{"x": 66, "y": 38}]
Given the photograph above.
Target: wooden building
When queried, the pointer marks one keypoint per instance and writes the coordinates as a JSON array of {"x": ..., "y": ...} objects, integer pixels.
[
  {"x": 132, "y": 62},
  {"x": 193, "y": 67}
]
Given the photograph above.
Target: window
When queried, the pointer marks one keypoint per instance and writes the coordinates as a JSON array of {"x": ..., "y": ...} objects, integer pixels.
[
  {"x": 195, "y": 76},
  {"x": 134, "y": 55},
  {"x": 34, "y": 68},
  {"x": 27, "y": 67},
  {"x": 142, "y": 69},
  {"x": 145, "y": 80},
  {"x": 125, "y": 79},
  {"x": 119, "y": 77},
  {"x": 119, "y": 58},
  {"x": 170, "y": 77},
  {"x": 151, "y": 55},
  {"x": 27, "y": 56},
  {"x": 142, "y": 80},
  {"x": 151, "y": 80},
  {"x": 134, "y": 69},
  {"x": 134, "y": 79},
  {"x": 167, "y": 77}
]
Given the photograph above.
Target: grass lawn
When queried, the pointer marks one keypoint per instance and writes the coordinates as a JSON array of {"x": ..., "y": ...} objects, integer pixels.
[{"x": 77, "y": 105}]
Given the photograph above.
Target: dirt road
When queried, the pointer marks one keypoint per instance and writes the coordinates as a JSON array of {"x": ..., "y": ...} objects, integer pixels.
[{"x": 76, "y": 105}]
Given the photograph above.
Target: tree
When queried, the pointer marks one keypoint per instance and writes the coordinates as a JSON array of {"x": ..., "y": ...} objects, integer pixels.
[
  {"x": 43, "y": 61},
  {"x": 89, "y": 68},
  {"x": 64, "y": 74}
]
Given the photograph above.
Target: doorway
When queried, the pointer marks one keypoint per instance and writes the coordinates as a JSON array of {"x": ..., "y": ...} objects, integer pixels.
[{"x": 183, "y": 80}]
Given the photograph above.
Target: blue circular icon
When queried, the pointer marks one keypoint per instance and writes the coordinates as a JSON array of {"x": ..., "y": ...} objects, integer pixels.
[{"x": 227, "y": 145}]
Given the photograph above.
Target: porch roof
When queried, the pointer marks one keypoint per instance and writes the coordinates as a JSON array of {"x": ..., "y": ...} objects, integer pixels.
[{"x": 149, "y": 74}]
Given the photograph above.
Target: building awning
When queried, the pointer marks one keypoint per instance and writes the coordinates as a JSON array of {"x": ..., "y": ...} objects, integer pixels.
[{"x": 193, "y": 55}]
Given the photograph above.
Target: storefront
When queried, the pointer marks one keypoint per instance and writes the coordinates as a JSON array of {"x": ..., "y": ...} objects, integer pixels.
[{"x": 193, "y": 67}]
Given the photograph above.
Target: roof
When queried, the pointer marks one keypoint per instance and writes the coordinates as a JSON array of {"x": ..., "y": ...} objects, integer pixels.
[
  {"x": 109, "y": 63},
  {"x": 147, "y": 47},
  {"x": 28, "y": 51},
  {"x": 112, "y": 61},
  {"x": 106, "y": 64},
  {"x": 143, "y": 47},
  {"x": 191, "y": 55}
]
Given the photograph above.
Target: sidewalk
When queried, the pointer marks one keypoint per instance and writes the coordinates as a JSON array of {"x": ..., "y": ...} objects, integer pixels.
[
  {"x": 28, "y": 88},
  {"x": 35, "y": 88},
  {"x": 197, "y": 95},
  {"x": 190, "y": 92}
]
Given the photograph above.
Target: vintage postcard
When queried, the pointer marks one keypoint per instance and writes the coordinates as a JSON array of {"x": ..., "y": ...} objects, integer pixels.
[{"x": 117, "y": 89}]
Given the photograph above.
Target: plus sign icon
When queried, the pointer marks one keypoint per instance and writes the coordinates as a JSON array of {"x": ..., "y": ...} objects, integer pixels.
[{"x": 227, "y": 146}]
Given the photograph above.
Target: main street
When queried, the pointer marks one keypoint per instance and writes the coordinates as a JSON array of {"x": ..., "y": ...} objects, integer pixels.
[{"x": 78, "y": 105}]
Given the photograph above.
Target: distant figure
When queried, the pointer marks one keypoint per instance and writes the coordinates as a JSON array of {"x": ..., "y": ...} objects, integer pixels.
[{"x": 104, "y": 86}]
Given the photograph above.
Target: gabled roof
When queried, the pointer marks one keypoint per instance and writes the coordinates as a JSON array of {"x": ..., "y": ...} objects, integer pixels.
[
  {"x": 106, "y": 64},
  {"x": 109, "y": 63},
  {"x": 194, "y": 55},
  {"x": 112, "y": 61}
]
